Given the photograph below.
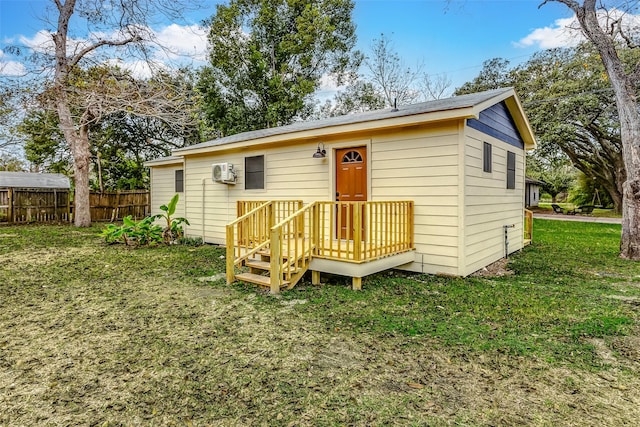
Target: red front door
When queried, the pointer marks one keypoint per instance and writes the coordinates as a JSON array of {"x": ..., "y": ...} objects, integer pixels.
[{"x": 351, "y": 184}]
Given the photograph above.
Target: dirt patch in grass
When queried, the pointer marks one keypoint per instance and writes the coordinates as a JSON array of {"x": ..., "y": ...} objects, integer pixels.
[{"x": 497, "y": 269}]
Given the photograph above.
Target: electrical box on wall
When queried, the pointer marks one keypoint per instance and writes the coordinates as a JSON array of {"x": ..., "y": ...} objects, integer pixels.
[{"x": 223, "y": 172}]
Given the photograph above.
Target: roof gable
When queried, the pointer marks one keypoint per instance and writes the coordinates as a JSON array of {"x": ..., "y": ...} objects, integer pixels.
[{"x": 498, "y": 122}]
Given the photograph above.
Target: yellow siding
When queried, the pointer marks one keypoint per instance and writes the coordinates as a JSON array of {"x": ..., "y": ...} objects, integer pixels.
[
  {"x": 163, "y": 188},
  {"x": 489, "y": 205},
  {"x": 439, "y": 167},
  {"x": 290, "y": 173},
  {"x": 422, "y": 165}
]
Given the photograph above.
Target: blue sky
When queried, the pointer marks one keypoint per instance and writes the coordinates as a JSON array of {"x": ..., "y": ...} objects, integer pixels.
[{"x": 451, "y": 38}]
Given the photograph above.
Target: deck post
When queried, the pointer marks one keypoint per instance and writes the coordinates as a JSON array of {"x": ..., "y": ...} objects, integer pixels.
[
  {"x": 276, "y": 265},
  {"x": 357, "y": 231},
  {"x": 230, "y": 255},
  {"x": 315, "y": 277},
  {"x": 356, "y": 283}
]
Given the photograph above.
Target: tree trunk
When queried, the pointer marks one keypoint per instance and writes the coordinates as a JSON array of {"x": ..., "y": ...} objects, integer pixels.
[
  {"x": 626, "y": 102},
  {"x": 630, "y": 131},
  {"x": 79, "y": 146},
  {"x": 81, "y": 166}
]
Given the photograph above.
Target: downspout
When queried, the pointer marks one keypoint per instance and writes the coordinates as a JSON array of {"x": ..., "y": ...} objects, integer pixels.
[{"x": 202, "y": 209}]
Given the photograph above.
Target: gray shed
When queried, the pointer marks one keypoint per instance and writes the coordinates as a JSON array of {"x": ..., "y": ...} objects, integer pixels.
[
  {"x": 34, "y": 197},
  {"x": 532, "y": 191},
  {"x": 34, "y": 180}
]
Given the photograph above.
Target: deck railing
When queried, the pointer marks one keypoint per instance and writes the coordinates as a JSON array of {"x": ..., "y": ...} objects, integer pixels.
[
  {"x": 292, "y": 244},
  {"x": 250, "y": 232},
  {"x": 528, "y": 226},
  {"x": 364, "y": 231},
  {"x": 353, "y": 232}
]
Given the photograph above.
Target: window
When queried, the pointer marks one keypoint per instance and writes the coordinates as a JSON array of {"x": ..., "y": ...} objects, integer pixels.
[
  {"x": 179, "y": 181},
  {"x": 486, "y": 157},
  {"x": 352, "y": 157},
  {"x": 511, "y": 170},
  {"x": 254, "y": 173}
]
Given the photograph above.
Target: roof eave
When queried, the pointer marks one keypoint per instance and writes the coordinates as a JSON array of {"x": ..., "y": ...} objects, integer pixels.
[
  {"x": 165, "y": 161},
  {"x": 311, "y": 134}
]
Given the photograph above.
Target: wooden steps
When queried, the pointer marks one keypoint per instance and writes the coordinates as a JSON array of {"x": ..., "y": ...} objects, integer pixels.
[
  {"x": 258, "y": 279},
  {"x": 260, "y": 271},
  {"x": 258, "y": 264}
]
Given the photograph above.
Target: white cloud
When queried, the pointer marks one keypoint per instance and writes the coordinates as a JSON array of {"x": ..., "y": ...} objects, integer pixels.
[
  {"x": 183, "y": 41},
  {"x": 12, "y": 68},
  {"x": 566, "y": 32},
  {"x": 139, "y": 69},
  {"x": 41, "y": 42},
  {"x": 562, "y": 33},
  {"x": 171, "y": 43}
]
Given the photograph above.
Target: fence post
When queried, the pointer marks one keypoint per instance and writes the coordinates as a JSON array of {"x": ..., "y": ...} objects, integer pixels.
[
  {"x": 69, "y": 205},
  {"x": 116, "y": 210},
  {"x": 10, "y": 205},
  {"x": 55, "y": 204}
]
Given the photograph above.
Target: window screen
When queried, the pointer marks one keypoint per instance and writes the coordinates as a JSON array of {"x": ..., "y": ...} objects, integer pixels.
[
  {"x": 511, "y": 170},
  {"x": 254, "y": 172},
  {"x": 486, "y": 157},
  {"x": 179, "y": 181}
]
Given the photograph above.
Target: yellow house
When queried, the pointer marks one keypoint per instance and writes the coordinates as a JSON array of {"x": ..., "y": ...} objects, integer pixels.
[{"x": 436, "y": 187}]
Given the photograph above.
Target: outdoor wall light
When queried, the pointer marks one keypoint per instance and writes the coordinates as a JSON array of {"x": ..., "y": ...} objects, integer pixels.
[{"x": 321, "y": 153}]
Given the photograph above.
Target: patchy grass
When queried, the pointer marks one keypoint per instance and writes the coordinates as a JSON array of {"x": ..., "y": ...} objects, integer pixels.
[{"x": 108, "y": 335}]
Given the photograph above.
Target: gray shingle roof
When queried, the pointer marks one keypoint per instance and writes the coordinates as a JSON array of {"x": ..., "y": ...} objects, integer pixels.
[
  {"x": 453, "y": 103},
  {"x": 33, "y": 180}
]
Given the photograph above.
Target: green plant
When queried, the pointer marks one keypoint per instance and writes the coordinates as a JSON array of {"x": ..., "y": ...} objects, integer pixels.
[
  {"x": 134, "y": 233},
  {"x": 173, "y": 230}
]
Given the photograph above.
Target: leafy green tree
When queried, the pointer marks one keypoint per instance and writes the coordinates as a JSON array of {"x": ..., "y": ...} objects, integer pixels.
[
  {"x": 268, "y": 56},
  {"x": 495, "y": 73},
  {"x": 81, "y": 89},
  {"x": 44, "y": 144},
  {"x": 358, "y": 97},
  {"x": 558, "y": 180},
  {"x": 11, "y": 163},
  {"x": 570, "y": 104},
  {"x": 611, "y": 28},
  {"x": 587, "y": 191}
]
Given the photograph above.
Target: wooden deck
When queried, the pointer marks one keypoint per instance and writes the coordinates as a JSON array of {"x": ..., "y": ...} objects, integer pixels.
[
  {"x": 355, "y": 233},
  {"x": 279, "y": 243}
]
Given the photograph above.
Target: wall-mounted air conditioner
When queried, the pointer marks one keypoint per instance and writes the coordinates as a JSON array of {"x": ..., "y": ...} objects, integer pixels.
[{"x": 223, "y": 172}]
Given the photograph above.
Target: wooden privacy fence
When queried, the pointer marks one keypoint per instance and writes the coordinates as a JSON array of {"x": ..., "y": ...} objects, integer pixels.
[
  {"x": 25, "y": 205},
  {"x": 115, "y": 205}
]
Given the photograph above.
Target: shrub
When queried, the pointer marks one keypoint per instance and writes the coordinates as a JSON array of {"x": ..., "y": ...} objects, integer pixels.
[
  {"x": 134, "y": 233},
  {"x": 145, "y": 232},
  {"x": 173, "y": 231}
]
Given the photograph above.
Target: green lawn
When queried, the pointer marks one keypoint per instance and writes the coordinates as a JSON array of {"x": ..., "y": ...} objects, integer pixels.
[{"x": 106, "y": 335}]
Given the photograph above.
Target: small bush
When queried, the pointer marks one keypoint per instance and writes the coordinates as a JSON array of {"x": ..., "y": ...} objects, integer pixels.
[
  {"x": 146, "y": 233},
  {"x": 134, "y": 233}
]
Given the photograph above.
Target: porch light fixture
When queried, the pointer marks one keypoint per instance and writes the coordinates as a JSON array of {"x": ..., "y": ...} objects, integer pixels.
[{"x": 321, "y": 153}]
